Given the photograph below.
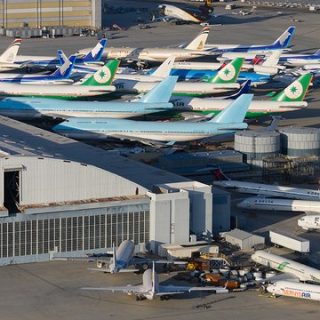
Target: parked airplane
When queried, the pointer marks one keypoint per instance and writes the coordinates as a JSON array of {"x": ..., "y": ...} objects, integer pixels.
[
  {"x": 274, "y": 204},
  {"x": 290, "y": 99},
  {"x": 61, "y": 75},
  {"x": 310, "y": 222},
  {"x": 160, "y": 73},
  {"x": 149, "y": 132},
  {"x": 229, "y": 73},
  {"x": 94, "y": 85},
  {"x": 187, "y": 14},
  {"x": 8, "y": 57},
  {"x": 265, "y": 189},
  {"x": 151, "y": 288},
  {"x": 224, "y": 80},
  {"x": 193, "y": 50},
  {"x": 293, "y": 268},
  {"x": 28, "y": 108},
  {"x": 288, "y": 59},
  {"x": 282, "y": 42},
  {"x": 89, "y": 62},
  {"x": 295, "y": 290},
  {"x": 269, "y": 65}
]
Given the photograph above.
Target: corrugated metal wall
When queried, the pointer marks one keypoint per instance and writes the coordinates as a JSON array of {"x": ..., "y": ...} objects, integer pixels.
[
  {"x": 46, "y": 180},
  {"x": 40, "y": 13}
]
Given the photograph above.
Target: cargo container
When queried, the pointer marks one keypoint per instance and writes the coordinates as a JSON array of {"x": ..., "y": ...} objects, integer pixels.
[{"x": 289, "y": 241}]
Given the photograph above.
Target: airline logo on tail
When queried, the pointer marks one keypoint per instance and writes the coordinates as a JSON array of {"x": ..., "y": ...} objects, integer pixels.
[
  {"x": 296, "y": 91},
  {"x": 103, "y": 76},
  {"x": 229, "y": 73}
]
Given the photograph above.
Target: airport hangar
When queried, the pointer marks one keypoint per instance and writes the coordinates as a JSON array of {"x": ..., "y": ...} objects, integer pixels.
[
  {"x": 62, "y": 197},
  {"x": 46, "y": 13}
]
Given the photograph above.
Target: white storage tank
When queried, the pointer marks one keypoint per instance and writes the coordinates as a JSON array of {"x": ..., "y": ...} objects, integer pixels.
[
  {"x": 300, "y": 141},
  {"x": 257, "y": 145}
]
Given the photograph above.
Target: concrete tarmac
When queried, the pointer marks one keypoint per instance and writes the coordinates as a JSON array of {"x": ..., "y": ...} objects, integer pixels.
[{"x": 51, "y": 291}]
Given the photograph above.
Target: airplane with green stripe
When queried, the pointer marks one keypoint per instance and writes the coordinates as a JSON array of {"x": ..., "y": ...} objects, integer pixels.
[
  {"x": 290, "y": 99},
  {"x": 99, "y": 83},
  {"x": 223, "y": 81}
]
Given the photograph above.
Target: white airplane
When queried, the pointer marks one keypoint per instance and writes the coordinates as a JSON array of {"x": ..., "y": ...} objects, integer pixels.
[
  {"x": 224, "y": 80},
  {"x": 295, "y": 290},
  {"x": 160, "y": 73},
  {"x": 290, "y": 99},
  {"x": 238, "y": 50},
  {"x": 151, "y": 288},
  {"x": 152, "y": 132},
  {"x": 94, "y": 85},
  {"x": 309, "y": 222},
  {"x": 8, "y": 57},
  {"x": 293, "y": 268},
  {"x": 266, "y": 189},
  {"x": 193, "y": 50},
  {"x": 187, "y": 14},
  {"x": 274, "y": 204}
]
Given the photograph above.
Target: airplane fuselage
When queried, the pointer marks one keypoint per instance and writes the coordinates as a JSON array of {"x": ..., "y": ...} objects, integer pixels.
[
  {"x": 144, "y": 130},
  {"x": 214, "y": 106},
  {"x": 295, "y": 290},
  {"x": 181, "y": 88},
  {"x": 299, "y": 270},
  {"x": 30, "y": 108}
]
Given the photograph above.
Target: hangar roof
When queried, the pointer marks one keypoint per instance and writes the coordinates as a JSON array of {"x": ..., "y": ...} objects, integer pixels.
[{"x": 17, "y": 138}]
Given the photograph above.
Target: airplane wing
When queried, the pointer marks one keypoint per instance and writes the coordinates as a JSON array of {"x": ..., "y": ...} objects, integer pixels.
[
  {"x": 105, "y": 270},
  {"x": 125, "y": 289},
  {"x": 170, "y": 290},
  {"x": 139, "y": 260},
  {"x": 145, "y": 141}
]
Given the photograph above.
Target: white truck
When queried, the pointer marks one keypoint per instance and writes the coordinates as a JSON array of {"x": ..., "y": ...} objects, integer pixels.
[{"x": 290, "y": 241}]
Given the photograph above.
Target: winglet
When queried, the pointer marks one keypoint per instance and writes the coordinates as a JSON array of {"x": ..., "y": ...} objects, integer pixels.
[
  {"x": 236, "y": 111},
  {"x": 161, "y": 92}
]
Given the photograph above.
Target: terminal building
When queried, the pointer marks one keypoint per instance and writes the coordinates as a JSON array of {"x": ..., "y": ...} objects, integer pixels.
[
  {"x": 63, "y": 197},
  {"x": 47, "y": 13}
]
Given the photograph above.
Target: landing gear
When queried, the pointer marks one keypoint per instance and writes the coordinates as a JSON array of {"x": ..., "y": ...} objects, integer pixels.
[
  {"x": 163, "y": 298},
  {"x": 140, "y": 298}
]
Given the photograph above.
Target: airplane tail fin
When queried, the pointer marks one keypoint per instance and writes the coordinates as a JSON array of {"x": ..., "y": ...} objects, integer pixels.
[
  {"x": 199, "y": 41},
  {"x": 104, "y": 76},
  {"x": 317, "y": 53},
  {"x": 235, "y": 112},
  {"x": 164, "y": 69},
  {"x": 208, "y": 3},
  {"x": 64, "y": 71},
  {"x": 285, "y": 39},
  {"x": 96, "y": 53},
  {"x": 219, "y": 175},
  {"x": 245, "y": 88},
  {"x": 273, "y": 59},
  {"x": 161, "y": 92},
  {"x": 9, "y": 55},
  {"x": 229, "y": 73},
  {"x": 296, "y": 91}
]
